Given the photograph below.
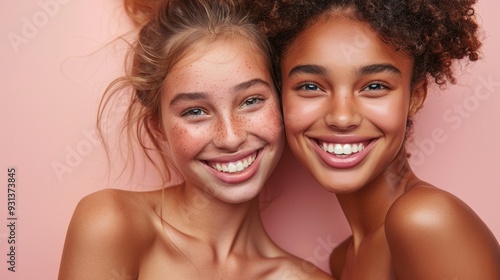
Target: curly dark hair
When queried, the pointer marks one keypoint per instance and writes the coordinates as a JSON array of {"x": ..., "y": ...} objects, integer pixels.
[{"x": 434, "y": 32}]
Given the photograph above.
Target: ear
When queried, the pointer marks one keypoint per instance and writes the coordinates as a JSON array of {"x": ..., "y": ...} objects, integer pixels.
[{"x": 417, "y": 98}]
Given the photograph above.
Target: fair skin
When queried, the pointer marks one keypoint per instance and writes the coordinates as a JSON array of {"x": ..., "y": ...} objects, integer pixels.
[
  {"x": 346, "y": 99},
  {"x": 221, "y": 127}
]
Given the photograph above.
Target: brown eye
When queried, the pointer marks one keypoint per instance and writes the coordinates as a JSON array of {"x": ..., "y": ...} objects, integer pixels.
[{"x": 375, "y": 86}]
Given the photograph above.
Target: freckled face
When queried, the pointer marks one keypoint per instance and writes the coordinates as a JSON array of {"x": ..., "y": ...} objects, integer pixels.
[
  {"x": 221, "y": 119},
  {"x": 346, "y": 98}
]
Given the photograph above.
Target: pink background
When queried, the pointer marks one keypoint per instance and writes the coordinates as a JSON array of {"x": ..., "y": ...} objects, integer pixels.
[{"x": 55, "y": 64}]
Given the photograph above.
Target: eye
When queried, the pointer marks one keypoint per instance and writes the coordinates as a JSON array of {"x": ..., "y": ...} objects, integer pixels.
[
  {"x": 308, "y": 87},
  {"x": 376, "y": 86},
  {"x": 252, "y": 101},
  {"x": 194, "y": 112}
]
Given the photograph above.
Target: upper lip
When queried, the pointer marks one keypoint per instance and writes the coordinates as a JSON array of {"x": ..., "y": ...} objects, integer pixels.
[
  {"x": 343, "y": 139},
  {"x": 231, "y": 157}
]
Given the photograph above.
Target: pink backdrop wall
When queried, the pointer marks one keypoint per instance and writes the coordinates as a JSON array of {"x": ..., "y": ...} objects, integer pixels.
[{"x": 54, "y": 66}]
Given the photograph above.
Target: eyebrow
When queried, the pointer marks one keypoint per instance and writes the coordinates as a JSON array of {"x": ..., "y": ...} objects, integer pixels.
[
  {"x": 365, "y": 70},
  {"x": 187, "y": 96},
  {"x": 308, "y": 69},
  {"x": 378, "y": 68},
  {"x": 249, "y": 84},
  {"x": 190, "y": 96}
]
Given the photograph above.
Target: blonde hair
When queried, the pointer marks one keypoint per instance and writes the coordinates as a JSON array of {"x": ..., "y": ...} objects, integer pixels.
[{"x": 168, "y": 30}]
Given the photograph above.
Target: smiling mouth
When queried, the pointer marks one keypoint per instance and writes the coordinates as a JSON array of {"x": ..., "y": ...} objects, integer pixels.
[
  {"x": 235, "y": 166},
  {"x": 341, "y": 149}
]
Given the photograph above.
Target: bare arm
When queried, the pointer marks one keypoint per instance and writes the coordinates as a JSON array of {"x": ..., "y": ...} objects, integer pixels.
[
  {"x": 100, "y": 240},
  {"x": 434, "y": 235}
]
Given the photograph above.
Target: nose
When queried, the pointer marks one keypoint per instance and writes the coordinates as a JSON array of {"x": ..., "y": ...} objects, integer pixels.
[
  {"x": 230, "y": 134},
  {"x": 342, "y": 112}
]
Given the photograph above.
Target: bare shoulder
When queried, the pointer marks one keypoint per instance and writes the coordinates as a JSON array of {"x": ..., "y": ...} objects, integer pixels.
[
  {"x": 105, "y": 235},
  {"x": 110, "y": 212},
  {"x": 338, "y": 257},
  {"x": 430, "y": 228},
  {"x": 426, "y": 207}
]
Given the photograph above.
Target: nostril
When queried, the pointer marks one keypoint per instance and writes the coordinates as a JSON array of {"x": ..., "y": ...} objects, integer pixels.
[{"x": 230, "y": 136}]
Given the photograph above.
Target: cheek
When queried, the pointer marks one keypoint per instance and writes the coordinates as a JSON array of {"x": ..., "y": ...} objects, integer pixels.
[
  {"x": 269, "y": 124},
  {"x": 299, "y": 113},
  {"x": 389, "y": 116},
  {"x": 185, "y": 141},
  {"x": 274, "y": 124}
]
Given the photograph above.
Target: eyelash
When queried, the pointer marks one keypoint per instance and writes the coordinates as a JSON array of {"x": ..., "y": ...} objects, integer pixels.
[
  {"x": 191, "y": 112},
  {"x": 198, "y": 112},
  {"x": 256, "y": 100},
  {"x": 378, "y": 84},
  {"x": 303, "y": 86}
]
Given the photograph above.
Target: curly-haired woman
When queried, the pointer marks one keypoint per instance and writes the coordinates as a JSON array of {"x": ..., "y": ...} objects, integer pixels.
[{"x": 353, "y": 74}]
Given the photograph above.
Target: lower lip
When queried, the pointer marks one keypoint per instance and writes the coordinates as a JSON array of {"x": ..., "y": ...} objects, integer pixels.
[
  {"x": 237, "y": 177},
  {"x": 344, "y": 162}
]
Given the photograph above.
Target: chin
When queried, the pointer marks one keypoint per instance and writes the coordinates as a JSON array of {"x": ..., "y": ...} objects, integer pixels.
[
  {"x": 340, "y": 184},
  {"x": 237, "y": 194},
  {"x": 239, "y": 197}
]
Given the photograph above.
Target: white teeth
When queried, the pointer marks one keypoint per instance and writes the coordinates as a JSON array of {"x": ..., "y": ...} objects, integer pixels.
[
  {"x": 347, "y": 149},
  {"x": 239, "y": 166},
  {"x": 236, "y": 166},
  {"x": 328, "y": 148},
  {"x": 354, "y": 148},
  {"x": 232, "y": 167},
  {"x": 342, "y": 149},
  {"x": 338, "y": 149}
]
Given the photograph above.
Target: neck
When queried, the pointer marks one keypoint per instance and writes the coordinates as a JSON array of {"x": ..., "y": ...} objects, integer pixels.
[
  {"x": 367, "y": 208},
  {"x": 224, "y": 227}
]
